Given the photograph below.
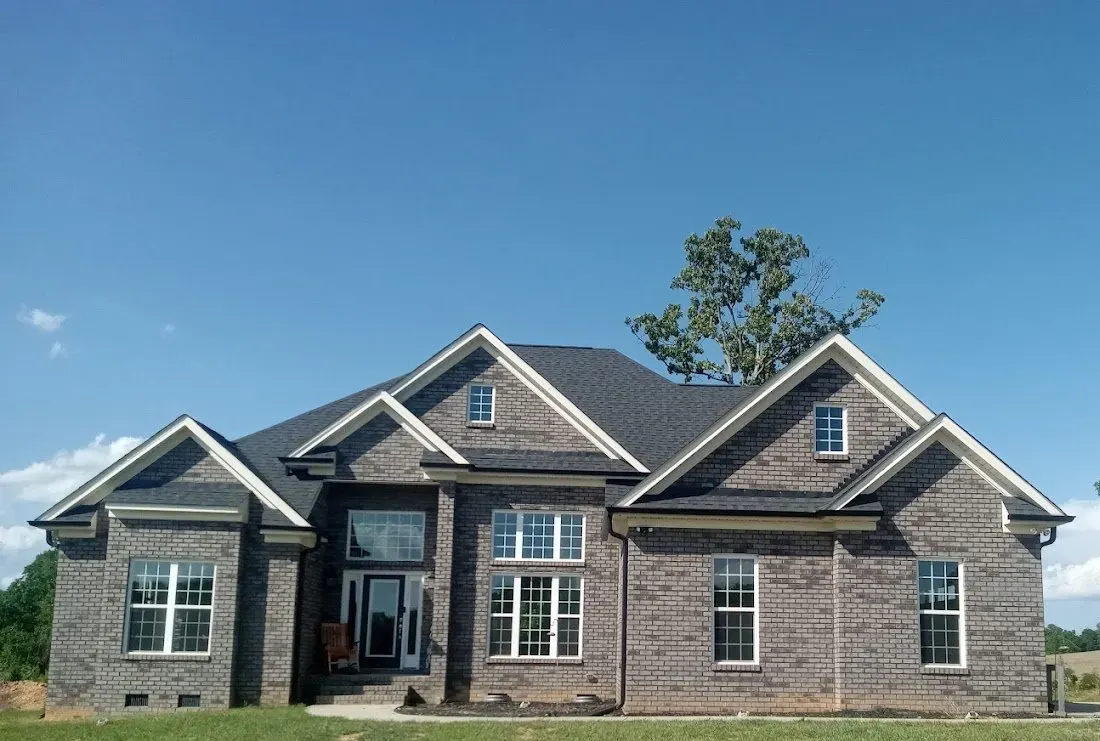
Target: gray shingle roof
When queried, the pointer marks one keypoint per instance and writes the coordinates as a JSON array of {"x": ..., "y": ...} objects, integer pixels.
[
  {"x": 181, "y": 493},
  {"x": 742, "y": 501},
  {"x": 1020, "y": 509},
  {"x": 81, "y": 514},
  {"x": 532, "y": 461}
]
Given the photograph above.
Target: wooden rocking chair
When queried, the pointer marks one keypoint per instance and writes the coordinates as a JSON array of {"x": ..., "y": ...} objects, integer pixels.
[{"x": 338, "y": 646}]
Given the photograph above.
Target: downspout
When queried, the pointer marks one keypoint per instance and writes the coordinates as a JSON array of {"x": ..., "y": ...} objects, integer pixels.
[
  {"x": 295, "y": 658},
  {"x": 624, "y": 562},
  {"x": 1050, "y": 541}
]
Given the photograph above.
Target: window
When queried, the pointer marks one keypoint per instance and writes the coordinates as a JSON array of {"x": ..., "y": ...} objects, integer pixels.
[
  {"x": 830, "y": 429},
  {"x": 171, "y": 607},
  {"x": 538, "y": 536},
  {"x": 386, "y": 536},
  {"x": 940, "y": 604},
  {"x": 480, "y": 407},
  {"x": 538, "y": 616},
  {"x": 735, "y": 605},
  {"x": 136, "y": 701},
  {"x": 189, "y": 701}
]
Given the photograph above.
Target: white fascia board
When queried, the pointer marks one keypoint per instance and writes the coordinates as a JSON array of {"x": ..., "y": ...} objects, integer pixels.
[
  {"x": 481, "y": 337},
  {"x": 381, "y": 402},
  {"x": 514, "y": 479},
  {"x": 640, "y": 518},
  {"x": 835, "y": 347},
  {"x": 969, "y": 450},
  {"x": 174, "y": 512},
  {"x": 167, "y": 438}
]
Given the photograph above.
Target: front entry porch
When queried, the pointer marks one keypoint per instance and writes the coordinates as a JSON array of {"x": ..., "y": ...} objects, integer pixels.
[{"x": 385, "y": 612}]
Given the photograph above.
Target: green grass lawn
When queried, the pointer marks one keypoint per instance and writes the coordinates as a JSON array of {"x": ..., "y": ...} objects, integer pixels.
[{"x": 292, "y": 724}]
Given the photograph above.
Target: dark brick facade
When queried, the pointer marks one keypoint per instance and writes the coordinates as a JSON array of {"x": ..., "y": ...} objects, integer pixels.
[
  {"x": 187, "y": 462},
  {"x": 380, "y": 451}
]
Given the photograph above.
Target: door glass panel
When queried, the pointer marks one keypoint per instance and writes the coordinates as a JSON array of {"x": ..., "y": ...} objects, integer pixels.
[
  {"x": 414, "y": 617},
  {"x": 382, "y": 619}
]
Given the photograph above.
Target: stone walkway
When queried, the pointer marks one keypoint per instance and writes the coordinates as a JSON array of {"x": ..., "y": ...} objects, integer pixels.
[{"x": 390, "y": 714}]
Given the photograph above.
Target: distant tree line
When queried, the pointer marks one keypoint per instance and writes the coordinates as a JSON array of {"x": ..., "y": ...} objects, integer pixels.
[
  {"x": 26, "y": 619},
  {"x": 1060, "y": 640}
]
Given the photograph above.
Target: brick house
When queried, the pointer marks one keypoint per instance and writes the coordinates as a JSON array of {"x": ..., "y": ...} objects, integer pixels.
[{"x": 554, "y": 521}]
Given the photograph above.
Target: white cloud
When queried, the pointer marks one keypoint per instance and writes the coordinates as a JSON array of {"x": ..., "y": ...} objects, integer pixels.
[
  {"x": 1072, "y": 568},
  {"x": 57, "y": 350},
  {"x": 167, "y": 329},
  {"x": 50, "y": 480},
  {"x": 40, "y": 319},
  {"x": 20, "y": 538}
]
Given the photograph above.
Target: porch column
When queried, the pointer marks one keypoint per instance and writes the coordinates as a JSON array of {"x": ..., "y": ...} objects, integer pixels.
[{"x": 441, "y": 586}]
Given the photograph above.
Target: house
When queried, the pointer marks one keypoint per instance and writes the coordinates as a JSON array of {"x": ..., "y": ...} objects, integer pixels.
[{"x": 553, "y": 521}]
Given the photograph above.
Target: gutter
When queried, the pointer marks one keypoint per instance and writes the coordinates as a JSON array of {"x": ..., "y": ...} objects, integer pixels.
[
  {"x": 1050, "y": 541},
  {"x": 624, "y": 562},
  {"x": 295, "y": 658}
]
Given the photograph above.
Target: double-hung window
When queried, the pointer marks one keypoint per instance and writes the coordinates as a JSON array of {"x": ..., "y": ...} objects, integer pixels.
[
  {"x": 479, "y": 409},
  {"x": 830, "y": 429},
  {"x": 171, "y": 607},
  {"x": 385, "y": 536},
  {"x": 736, "y": 633},
  {"x": 538, "y": 536},
  {"x": 535, "y": 616},
  {"x": 940, "y": 604}
]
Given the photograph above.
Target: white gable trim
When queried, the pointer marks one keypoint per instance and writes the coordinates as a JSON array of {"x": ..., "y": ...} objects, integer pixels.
[
  {"x": 834, "y": 347},
  {"x": 952, "y": 436},
  {"x": 378, "y": 403},
  {"x": 140, "y": 457},
  {"x": 481, "y": 337}
]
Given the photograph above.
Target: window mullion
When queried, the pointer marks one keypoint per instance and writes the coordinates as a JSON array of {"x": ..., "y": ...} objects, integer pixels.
[
  {"x": 516, "y": 597},
  {"x": 554, "y": 586},
  {"x": 557, "y": 540},
  {"x": 170, "y": 609}
]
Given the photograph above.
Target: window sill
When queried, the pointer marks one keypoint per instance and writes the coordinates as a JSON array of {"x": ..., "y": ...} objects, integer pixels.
[
  {"x": 958, "y": 671},
  {"x": 138, "y": 656},
  {"x": 837, "y": 457},
  {"x": 571, "y": 660},
  {"x": 537, "y": 563},
  {"x": 720, "y": 666},
  {"x": 482, "y": 425}
]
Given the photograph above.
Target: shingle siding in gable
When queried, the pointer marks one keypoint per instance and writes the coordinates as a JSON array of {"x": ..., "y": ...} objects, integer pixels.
[
  {"x": 522, "y": 421},
  {"x": 188, "y": 461},
  {"x": 776, "y": 450},
  {"x": 380, "y": 451}
]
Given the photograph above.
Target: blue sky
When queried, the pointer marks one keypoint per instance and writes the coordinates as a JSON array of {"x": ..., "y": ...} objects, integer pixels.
[{"x": 243, "y": 212}]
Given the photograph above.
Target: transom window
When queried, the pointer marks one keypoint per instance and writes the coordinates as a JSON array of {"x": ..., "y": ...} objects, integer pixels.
[
  {"x": 480, "y": 407},
  {"x": 830, "y": 429},
  {"x": 385, "y": 536},
  {"x": 171, "y": 606},
  {"x": 538, "y": 536},
  {"x": 940, "y": 604},
  {"x": 735, "y": 609},
  {"x": 535, "y": 616}
]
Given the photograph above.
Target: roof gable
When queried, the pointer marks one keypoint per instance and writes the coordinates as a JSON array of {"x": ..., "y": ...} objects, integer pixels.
[
  {"x": 969, "y": 450},
  {"x": 834, "y": 347},
  {"x": 381, "y": 402},
  {"x": 153, "y": 448}
]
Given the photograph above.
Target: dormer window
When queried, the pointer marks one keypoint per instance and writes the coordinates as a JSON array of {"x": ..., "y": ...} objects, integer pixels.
[
  {"x": 830, "y": 429},
  {"x": 480, "y": 407}
]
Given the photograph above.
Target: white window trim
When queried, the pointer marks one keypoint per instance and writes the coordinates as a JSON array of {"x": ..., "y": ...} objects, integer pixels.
[
  {"x": 347, "y": 539},
  {"x": 843, "y": 429},
  {"x": 170, "y": 609},
  {"x": 961, "y": 612},
  {"x": 492, "y": 404},
  {"x": 518, "y": 558},
  {"x": 755, "y": 610},
  {"x": 554, "y": 616}
]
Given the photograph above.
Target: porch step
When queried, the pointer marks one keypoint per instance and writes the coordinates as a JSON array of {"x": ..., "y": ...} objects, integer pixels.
[{"x": 354, "y": 689}]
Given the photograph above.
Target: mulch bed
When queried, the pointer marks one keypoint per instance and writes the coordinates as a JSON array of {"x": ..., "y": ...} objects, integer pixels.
[
  {"x": 22, "y": 695},
  {"x": 511, "y": 709}
]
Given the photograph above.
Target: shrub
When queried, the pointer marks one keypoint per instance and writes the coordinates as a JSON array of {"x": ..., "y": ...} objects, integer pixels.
[{"x": 1089, "y": 681}]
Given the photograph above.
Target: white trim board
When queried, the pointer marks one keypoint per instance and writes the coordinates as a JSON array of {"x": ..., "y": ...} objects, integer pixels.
[
  {"x": 952, "y": 436},
  {"x": 834, "y": 347},
  {"x": 480, "y": 337},
  {"x": 103, "y": 483},
  {"x": 178, "y": 512},
  {"x": 380, "y": 402}
]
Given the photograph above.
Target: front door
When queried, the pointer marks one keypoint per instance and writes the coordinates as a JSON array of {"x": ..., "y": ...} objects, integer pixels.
[{"x": 381, "y": 629}]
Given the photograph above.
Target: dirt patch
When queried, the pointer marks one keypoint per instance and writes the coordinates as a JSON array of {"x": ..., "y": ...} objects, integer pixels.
[
  {"x": 511, "y": 709},
  {"x": 22, "y": 695},
  {"x": 350, "y": 737}
]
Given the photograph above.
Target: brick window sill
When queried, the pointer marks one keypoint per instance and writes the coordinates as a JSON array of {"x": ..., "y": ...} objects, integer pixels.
[
  {"x": 570, "y": 660},
  {"x": 745, "y": 668},
  {"x": 835, "y": 457},
  {"x": 537, "y": 564},
  {"x": 166, "y": 657},
  {"x": 956, "y": 671}
]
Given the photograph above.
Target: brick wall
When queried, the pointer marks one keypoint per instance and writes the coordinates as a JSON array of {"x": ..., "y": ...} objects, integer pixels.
[
  {"x": 189, "y": 462},
  {"x": 670, "y": 667},
  {"x": 470, "y": 673},
  {"x": 380, "y": 451},
  {"x": 523, "y": 421},
  {"x": 776, "y": 450},
  {"x": 937, "y": 507}
]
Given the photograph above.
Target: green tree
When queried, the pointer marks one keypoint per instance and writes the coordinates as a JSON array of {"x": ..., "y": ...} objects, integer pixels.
[
  {"x": 26, "y": 618},
  {"x": 759, "y": 299}
]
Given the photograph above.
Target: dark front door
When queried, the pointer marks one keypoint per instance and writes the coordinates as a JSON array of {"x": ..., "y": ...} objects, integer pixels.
[{"x": 380, "y": 632}]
